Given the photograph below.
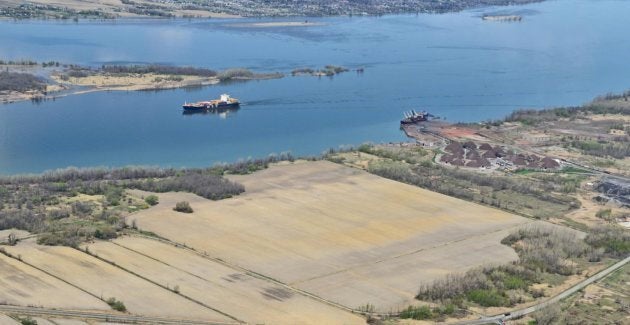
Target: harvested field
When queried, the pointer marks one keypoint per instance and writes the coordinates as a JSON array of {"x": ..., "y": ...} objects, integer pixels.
[
  {"x": 6, "y": 320},
  {"x": 62, "y": 321},
  {"x": 24, "y": 285},
  {"x": 250, "y": 299},
  {"x": 344, "y": 234},
  {"x": 101, "y": 279}
]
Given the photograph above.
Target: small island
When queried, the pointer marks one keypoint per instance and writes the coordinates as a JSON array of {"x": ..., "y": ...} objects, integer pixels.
[
  {"x": 327, "y": 71},
  {"x": 502, "y": 17}
]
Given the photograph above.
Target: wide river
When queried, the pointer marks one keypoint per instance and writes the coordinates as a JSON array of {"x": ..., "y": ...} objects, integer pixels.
[{"x": 456, "y": 66}]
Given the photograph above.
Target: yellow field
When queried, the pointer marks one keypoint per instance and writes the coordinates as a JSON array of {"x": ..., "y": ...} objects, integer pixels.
[
  {"x": 24, "y": 285},
  {"x": 101, "y": 279},
  {"x": 6, "y": 320},
  {"x": 338, "y": 232},
  {"x": 247, "y": 298}
]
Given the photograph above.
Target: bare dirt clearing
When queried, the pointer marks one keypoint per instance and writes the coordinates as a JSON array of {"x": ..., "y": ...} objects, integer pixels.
[
  {"x": 341, "y": 233},
  {"x": 245, "y": 297},
  {"x": 101, "y": 279}
]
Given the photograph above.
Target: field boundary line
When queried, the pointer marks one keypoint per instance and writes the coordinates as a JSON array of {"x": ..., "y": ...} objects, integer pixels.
[
  {"x": 19, "y": 259},
  {"x": 267, "y": 278},
  {"x": 385, "y": 259},
  {"x": 120, "y": 318},
  {"x": 114, "y": 264}
]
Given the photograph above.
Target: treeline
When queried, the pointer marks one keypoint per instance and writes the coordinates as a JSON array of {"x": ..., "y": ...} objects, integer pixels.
[
  {"x": 613, "y": 240},
  {"x": 70, "y": 174},
  {"x": 159, "y": 69},
  {"x": 516, "y": 195},
  {"x": 541, "y": 250},
  {"x": 600, "y": 105},
  {"x": 209, "y": 186},
  {"x": 549, "y": 249},
  {"x": 21, "y": 82},
  {"x": 18, "y": 62},
  {"x": 618, "y": 150},
  {"x": 246, "y": 74}
]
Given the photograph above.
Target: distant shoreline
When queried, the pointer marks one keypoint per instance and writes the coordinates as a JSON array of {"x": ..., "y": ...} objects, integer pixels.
[
  {"x": 273, "y": 24},
  {"x": 74, "y": 10}
]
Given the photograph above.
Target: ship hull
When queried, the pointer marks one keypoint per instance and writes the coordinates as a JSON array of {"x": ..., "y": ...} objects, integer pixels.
[{"x": 197, "y": 108}]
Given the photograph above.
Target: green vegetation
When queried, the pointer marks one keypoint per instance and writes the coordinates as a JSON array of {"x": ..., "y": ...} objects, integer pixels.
[
  {"x": 426, "y": 313},
  {"x": 245, "y": 74},
  {"x": 116, "y": 304},
  {"x": 183, "y": 207},
  {"x": 20, "y": 82},
  {"x": 158, "y": 69},
  {"x": 174, "y": 73},
  {"x": 604, "y": 214},
  {"x": 618, "y": 150},
  {"x": 545, "y": 253},
  {"x": 414, "y": 155},
  {"x": 152, "y": 200},
  {"x": 491, "y": 286},
  {"x": 27, "y": 320},
  {"x": 610, "y": 306},
  {"x": 329, "y": 70},
  {"x": 536, "y": 117},
  {"x": 69, "y": 206},
  {"x": 614, "y": 240}
]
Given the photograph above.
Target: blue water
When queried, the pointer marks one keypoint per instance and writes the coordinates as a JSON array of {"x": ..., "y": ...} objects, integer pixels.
[{"x": 457, "y": 66}]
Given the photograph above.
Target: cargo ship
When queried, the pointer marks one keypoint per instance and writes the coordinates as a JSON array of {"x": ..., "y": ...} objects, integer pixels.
[
  {"x": 225, "y": 101},
  {"x": 413, "y": 117}
]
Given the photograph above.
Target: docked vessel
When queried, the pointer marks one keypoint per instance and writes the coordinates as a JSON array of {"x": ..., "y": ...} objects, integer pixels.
[
  {"x": 413, "y": 117},
  {"x": 225, "y": 101}
]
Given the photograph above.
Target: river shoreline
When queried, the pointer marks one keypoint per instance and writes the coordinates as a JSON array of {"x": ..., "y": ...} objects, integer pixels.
[{"x": 61, "y": 81}]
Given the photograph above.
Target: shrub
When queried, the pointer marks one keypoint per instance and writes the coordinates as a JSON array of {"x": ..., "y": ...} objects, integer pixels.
[
  {"x": 418, "y": 313},
  {"x": 613, "y": 239},
  {"x": 548, "y": 315},
  {"x": 152, "y": 200},
  {"x": 514, "y": 282},
  {"x": 206, "y": 185},
  {"x": 116, "y": 304},
  {"x": 105, "y": 232},
  {"x": 114, "y": 194},
  {"x": 57, "y": 214},
  {"x": 27, "y": 321},
  {"x": 82, "y": 209},
  {"x": 486, "y": 298},
  {"x": 183, "y": 206},
  {"x": 604, "y": 214}
]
